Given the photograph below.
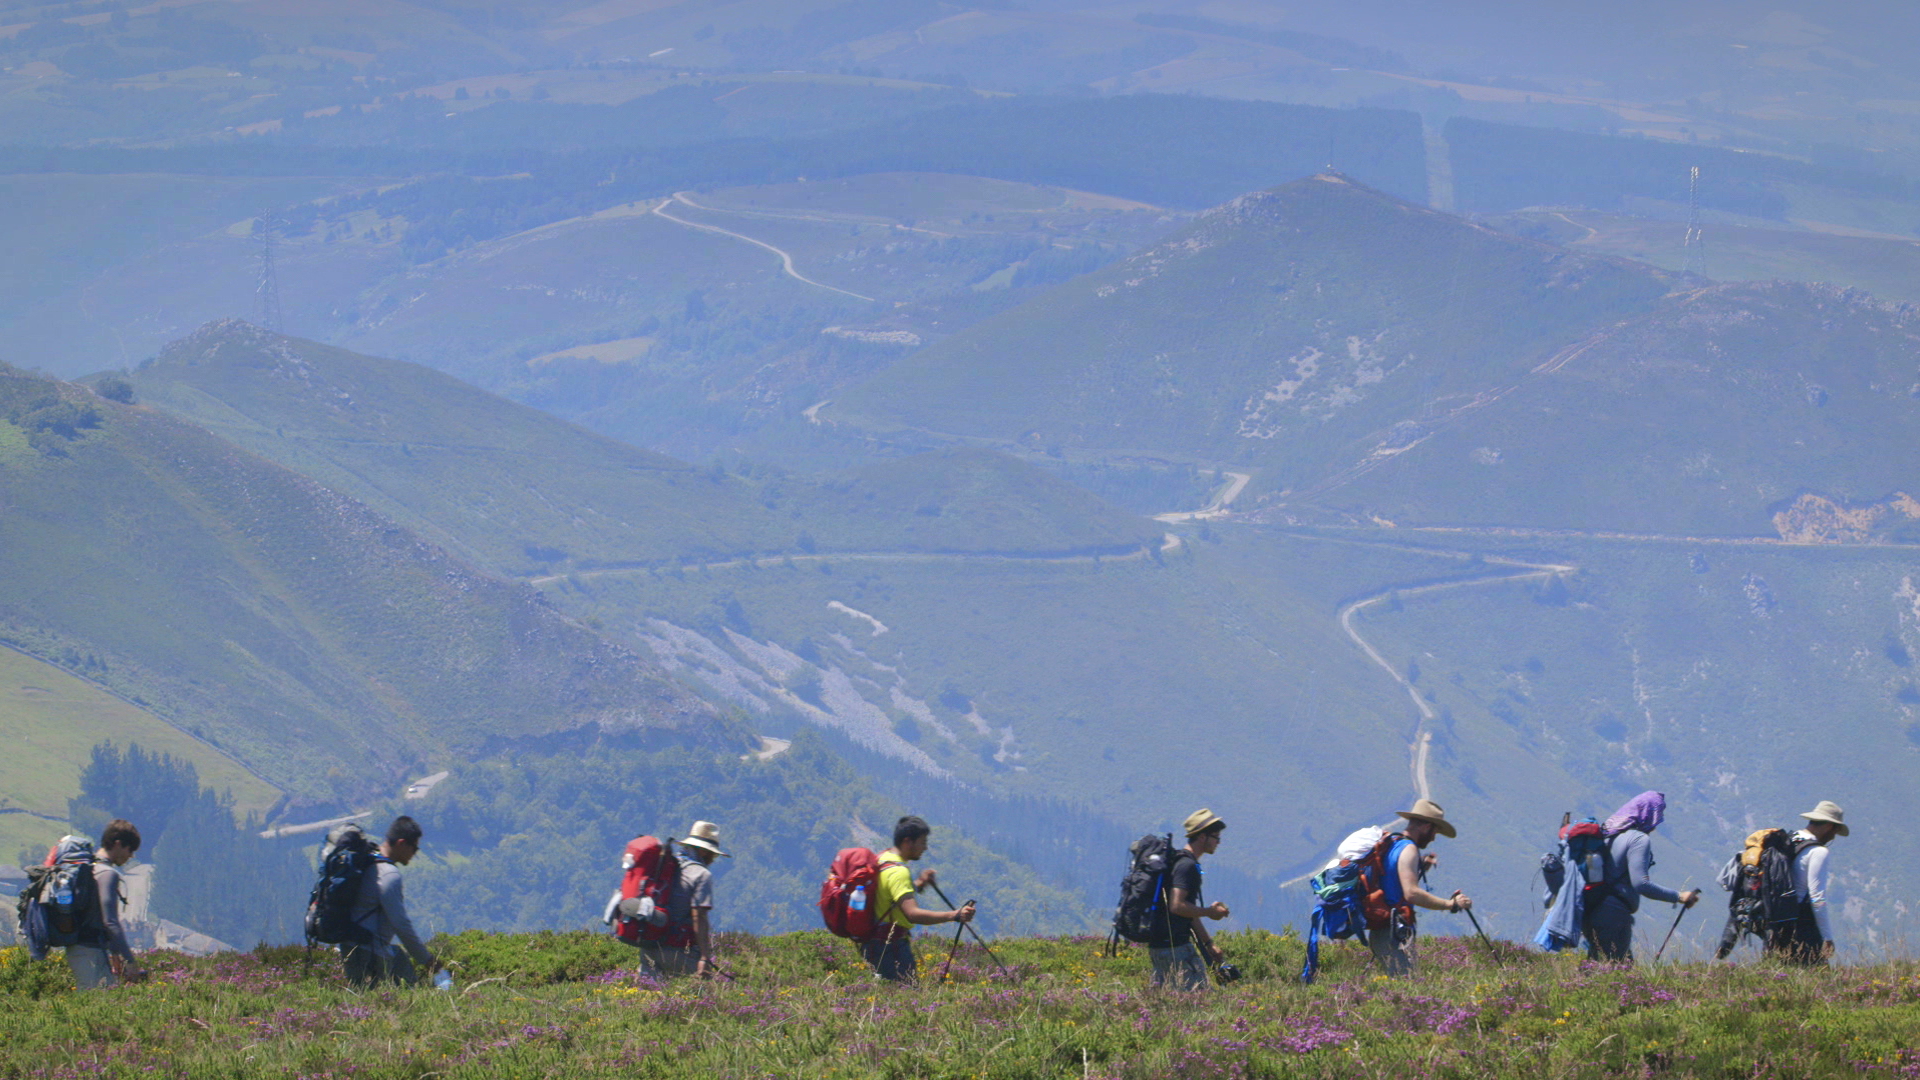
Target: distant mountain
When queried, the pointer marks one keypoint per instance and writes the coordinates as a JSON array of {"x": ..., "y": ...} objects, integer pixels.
[
  {"x": 324, "y": 645},
  {"x": 1282, "y": 331}
]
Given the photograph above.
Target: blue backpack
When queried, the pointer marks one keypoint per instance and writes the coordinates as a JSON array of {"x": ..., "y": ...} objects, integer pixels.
[{"x": 1356, "y": 896}]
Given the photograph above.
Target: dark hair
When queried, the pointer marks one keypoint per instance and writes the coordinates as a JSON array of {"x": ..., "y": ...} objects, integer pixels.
[
  {"x": 1214, "y": 829},
  {"x": 910, "y": 828},
  {"x": 404, "y": 828},
  {"x": 120, "y": 831}
]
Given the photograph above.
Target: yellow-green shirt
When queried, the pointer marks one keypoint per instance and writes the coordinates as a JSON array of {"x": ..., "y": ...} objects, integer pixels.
[{"x": 895, "y": 885}]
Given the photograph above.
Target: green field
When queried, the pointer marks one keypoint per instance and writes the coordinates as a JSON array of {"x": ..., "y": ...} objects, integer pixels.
[
  {"x": 51, "y": 720},
  {"x": 801, "y": 1005}
]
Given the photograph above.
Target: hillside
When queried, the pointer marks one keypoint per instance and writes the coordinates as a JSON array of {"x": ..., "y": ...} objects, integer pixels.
[
  {"x": 300, "y": 632},
  {"x": 801, "y": 1005},
  {"x": 1710, "y": 416},
  {"x": 1280, "y": 330}
]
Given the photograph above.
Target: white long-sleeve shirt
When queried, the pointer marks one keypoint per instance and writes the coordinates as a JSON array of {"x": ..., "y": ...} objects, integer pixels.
[{"x": 1810, "y": 882}]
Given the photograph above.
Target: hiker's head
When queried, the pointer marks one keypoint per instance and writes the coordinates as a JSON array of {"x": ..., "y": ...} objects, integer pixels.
[
  {"x": 1203, "y": 831},
  {"x": 1644, "y": 812},
  {"x": 1425, "y": 821},
  {"x": 119, "y": 840},
  {"x": 403, "y": 840},
  {"x": 703, "y": 842},
  {"x": 1826, "y": 821},
  {"x": 910, "y": 836}
]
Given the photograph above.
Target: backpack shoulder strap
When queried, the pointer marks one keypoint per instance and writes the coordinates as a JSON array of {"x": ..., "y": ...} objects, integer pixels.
[{"x": 884, "y": 863}]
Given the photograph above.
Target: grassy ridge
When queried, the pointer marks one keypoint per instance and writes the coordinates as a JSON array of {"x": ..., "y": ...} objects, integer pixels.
[{"x": 800, "y": 1006}]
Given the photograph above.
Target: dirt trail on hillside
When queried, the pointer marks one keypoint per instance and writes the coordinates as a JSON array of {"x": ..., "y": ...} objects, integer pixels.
[
  {"x": 1217, "y": 508},
  {"x": 1168, "y": 543},
  {"x": 786, "y": 260}
]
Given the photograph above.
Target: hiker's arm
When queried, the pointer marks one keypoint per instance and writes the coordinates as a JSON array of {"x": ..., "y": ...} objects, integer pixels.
[
  {"x": 1640, "y": 873},
  {"x": 1411, "y": 862},
  {"x": 919, "y": 916},
  {"x": 393, "y": 905},
  {"x": 702, "y": 940},
  {"x": 108, "y": 888},
  {"x": 1178, "y": 904},
  {"x": 1816, "y": 858}
]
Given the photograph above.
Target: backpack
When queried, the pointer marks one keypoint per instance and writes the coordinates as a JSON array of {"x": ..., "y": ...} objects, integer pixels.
[
  {"x": 652, "y": 873},
  {"x": 1584, "y": 850},
  {"x": 1764, "y": 900},
  {"x": 846, "y": 896},
  {"x": 1357, "y": 895},
  {"x": 61, "y": 904},
  {"x": 1142, "y": 914},
  {"x": 344, "y": 864}
]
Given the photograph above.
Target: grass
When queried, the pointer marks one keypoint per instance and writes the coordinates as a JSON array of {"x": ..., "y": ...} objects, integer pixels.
[
  {"x": 800, "y": 1005},
  {"x": 53, "y": 720}
]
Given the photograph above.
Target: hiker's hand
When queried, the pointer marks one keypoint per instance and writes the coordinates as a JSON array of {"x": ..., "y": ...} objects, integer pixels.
[
  {"x": 1218, "y": 956},
  {"x": 926, "y": 879},
  {"x": 1461, "y": 902},
  {"x": 1428, "y": 861},
  {"x": 701, "y": 970},
  {"x": 1216, "y": 910},
  {"x": 965, "y": 914},
  {"x": 1687, "y": 900}
]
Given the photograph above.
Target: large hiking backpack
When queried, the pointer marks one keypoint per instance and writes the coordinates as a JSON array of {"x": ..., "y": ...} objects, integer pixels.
[
  {"x": 847, "y": 896},
  {"x": 1142, "y": 915},
  {"x": 1584, "y": 851},
  {"x": 61, "y": 904},
  {"x": 1764, "y": 900},
  {"x": 1358, "y": 895},
  {"x": 344, "y": 864},
  {"x": 651, "y": 874}
]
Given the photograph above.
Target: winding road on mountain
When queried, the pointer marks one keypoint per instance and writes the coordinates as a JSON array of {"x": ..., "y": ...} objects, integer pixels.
[{"x": 786, "y": 259}]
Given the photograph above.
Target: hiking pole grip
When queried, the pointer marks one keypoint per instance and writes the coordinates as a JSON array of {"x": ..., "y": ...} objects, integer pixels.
[{"x": 969, "y": 928}]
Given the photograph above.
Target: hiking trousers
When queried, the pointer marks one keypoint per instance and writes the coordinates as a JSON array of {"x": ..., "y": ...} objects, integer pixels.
[
  {"x": 1180, "y": 967},
  {"x": 370, "y": 965},
  {"x": 1608, "y": 927},
  {"x": 892, "y": 960},
  {"x": 666, "y": 961}
]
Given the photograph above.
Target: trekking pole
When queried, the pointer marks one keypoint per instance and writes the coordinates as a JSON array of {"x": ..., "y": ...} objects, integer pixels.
[
  {"x": 950, "y": 953},
  {"x": 969, "y": 928},
  {"x": 1475, "y": 919},
  {"x": 1670, "y": 930}
]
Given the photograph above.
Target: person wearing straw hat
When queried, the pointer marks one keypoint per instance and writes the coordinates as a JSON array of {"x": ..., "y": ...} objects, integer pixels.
[
  {"x": 1182, "y": 948},
  {"x": 689, "y": 907},
  {"x": 1392, "y": 947},
  {"x": 1812, "y": 940}
]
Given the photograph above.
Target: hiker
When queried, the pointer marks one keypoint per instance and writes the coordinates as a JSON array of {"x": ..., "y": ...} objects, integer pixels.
[
  {"x": 104, "y": 957},
  {"x": 890, "y": 951},
  {"x": 1392, "y": 945},
  {"x": 687, "y": 910},
  {"x": 381, "y": 910},
  {"x": 1810, "y": 941},
  {"x": 1607, "y": 920},
  {"x": 1180, "y": 946}
]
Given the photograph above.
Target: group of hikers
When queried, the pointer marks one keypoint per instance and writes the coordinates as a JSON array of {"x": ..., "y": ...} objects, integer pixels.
[{"x": 1372, "y": 890}]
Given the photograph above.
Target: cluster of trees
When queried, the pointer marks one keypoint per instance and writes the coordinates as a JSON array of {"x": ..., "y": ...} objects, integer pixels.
[{"x": 212, "y": 872}]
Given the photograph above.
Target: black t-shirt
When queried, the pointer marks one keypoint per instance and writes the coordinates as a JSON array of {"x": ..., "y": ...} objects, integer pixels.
[{"x": 1184, "y": 875}]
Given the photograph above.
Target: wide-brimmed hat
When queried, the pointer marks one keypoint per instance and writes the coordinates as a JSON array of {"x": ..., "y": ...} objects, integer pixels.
[
  {"x": 1201, "y": 820},
  {"x": 705, "y": 835},
  {"x": 1829, "y": 811},
  {"x": 1429, "y": 811}
]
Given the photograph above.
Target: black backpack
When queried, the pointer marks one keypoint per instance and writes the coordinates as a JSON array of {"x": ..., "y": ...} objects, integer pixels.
[
  {"x": 1142, "y": 912},
  {"x": 344, "y": 864},
  {"x": 1765, "y": 902},
  {"x": 61, "y": 904}
]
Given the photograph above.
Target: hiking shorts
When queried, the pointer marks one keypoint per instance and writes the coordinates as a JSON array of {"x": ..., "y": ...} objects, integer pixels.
[
  {"x": 1180, "y": 967},
  {"x": 892, "y": 960},
  {"x": 1393, "y": 951},
  {"x": 91, "y": 967}
]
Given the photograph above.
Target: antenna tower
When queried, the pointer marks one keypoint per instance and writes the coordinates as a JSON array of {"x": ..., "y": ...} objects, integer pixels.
[
  {"x": 267, "y": 295},
  {"x": 1696, "y": 242}
]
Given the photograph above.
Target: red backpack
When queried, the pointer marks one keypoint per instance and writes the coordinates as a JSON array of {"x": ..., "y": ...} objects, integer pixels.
[
  {"x": 847, "y": 897},
  {"x": 652, "y": 873}
]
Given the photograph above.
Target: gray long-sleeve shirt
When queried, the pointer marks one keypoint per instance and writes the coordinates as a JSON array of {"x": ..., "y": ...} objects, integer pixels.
[
  {"x": 382, "y": 908},
  {"x": 106, "y": 885},
  {"x": 1631, "y": 875}
]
